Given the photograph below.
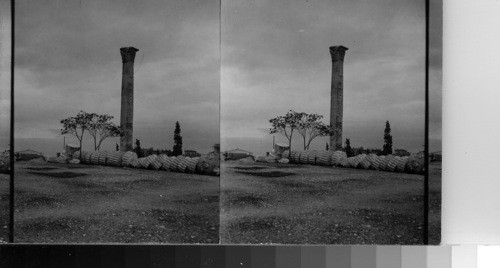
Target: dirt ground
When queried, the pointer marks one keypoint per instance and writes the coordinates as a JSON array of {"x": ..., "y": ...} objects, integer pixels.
[
  {"x": 62, "y": 203},
  {"x": 260, "y": 203},
  {"x": 4, "y": 208},
  {"x": 303, "y": 204},
  {"x": 435, "y": 203}
]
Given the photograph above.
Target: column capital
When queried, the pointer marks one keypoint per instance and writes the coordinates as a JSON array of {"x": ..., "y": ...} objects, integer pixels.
[
  {"x": 128, "y": 54},
  {"x": 338, "y": 53}
]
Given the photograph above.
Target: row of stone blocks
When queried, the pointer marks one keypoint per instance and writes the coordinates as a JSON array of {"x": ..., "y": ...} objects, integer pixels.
[
  {"x": 198, "y": 165},
  {"x": 408, "y": 164}
]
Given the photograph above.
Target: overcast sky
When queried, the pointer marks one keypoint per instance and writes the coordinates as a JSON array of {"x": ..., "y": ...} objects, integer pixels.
[
  {"x": 68, "y": 59},
  {"x": 5, "y": 48},
  {"x": 435, "y": 73},
  {"x": 275, "y": 57}
]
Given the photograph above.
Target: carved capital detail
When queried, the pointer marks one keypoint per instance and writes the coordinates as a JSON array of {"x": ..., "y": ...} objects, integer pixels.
[
  {"x": 128, "y": 54},
  {"x": 338, "y": 53}
]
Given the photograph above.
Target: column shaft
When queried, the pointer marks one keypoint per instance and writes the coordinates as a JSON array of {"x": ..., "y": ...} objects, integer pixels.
[
  {"x": 337, "y": 96},
  {"x": 127, "y": 101}
]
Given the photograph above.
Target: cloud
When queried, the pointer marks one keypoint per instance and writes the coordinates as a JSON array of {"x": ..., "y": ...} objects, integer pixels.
[
  {"x": 68, "y": 59},
  {"x": 275, "y": 57},
  {"x": 435, "y": 73},
  {"x": 5, "y": 60}
]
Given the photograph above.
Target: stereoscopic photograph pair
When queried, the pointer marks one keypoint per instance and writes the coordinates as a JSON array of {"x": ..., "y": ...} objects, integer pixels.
[{"x": 222, "y": 122}]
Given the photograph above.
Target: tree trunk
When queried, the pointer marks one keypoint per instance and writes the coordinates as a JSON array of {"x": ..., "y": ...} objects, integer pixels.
[
  {"x": 99, "y": 145},
  {"x": 309, "y": 143},
  {"x": 81, "y": 139}
]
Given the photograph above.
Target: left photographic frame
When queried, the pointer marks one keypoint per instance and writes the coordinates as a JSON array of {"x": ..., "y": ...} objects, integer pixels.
[
  {"x": 6, "y": 179},
  {"x": 117, "y": 122}
]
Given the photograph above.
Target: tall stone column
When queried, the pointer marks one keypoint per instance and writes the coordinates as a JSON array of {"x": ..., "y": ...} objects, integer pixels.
[
  {"x": 337, "y": 96},
  {"x": 127, "y": 109}
]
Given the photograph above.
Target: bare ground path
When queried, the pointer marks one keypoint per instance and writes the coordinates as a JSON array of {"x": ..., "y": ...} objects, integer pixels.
[
  {"x": 4, "y": 207},
  {"x": 58, "y": 203},
  {"x": 302, "y": 204}
]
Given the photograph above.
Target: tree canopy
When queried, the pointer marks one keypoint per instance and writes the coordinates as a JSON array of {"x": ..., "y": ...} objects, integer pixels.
[
  {"x": 387, "y": 149},
  {"x": 310, "y": 127},
  {"x": 100, "y": 127},
  {"x": 137, "y": 148},
  {"x": 348, "y": 148},
  {"x": 285, "y": 125},
  {"x": 76, "y": 126},
  {"x": 177, "y": 149}
]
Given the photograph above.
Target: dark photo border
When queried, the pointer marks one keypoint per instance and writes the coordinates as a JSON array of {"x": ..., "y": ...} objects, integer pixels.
[{"x": 19, "y": 250}]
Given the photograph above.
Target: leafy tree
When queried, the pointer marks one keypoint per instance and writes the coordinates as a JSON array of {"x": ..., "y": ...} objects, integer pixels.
[
  {"x": 149, "y": 151},
  {"x": 138, "y": 149},
  {"x": 177, "y": 149},
  {"x": 100, "y": 128},
  {"x": 285, "y": 125},
  {"x": 309, "y": 126},
  {"x": 387, "y": 149},
  {"x": 76, "y": 126},
  {"x": 348, "y": 149}
]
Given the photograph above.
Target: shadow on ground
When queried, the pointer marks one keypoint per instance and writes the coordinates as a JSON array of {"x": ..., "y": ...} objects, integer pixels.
[
  {"x": 57, "y": 203},
  {"x": 323, "y": 205}
]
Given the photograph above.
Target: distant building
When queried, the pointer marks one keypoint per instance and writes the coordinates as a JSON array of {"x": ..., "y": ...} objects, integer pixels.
[
  {"x": 357, "y": 151},
  {"x": 362, "y": 150},
  {"x": 236, "y": 154},
  {"x": 374, "y": 151},
  {"x": 5, "y": 162},
  {"x": 70, "y": 149},
  {"x": 401, "y": 152},
  {"x": 191, "y": 153},
  {"x": 436, "y": 156},
  {"x": 217, "y": 148},
  {"x": 27, "y": 155},
  {"x": 215, "y": 153}
]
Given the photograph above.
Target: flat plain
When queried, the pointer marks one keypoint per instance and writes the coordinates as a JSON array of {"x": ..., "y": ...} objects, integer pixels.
[
  {"x": 260, "y": 203},
  {"x": 302, "y": 204},
  {"x": 4, "y": 207},
  {"x": 64, "y": 203}
]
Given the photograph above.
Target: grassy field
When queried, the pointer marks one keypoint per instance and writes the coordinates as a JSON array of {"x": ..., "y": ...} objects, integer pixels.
[
  {"x": 60, "y": 203},
  {"x": 303, "y": 204}
]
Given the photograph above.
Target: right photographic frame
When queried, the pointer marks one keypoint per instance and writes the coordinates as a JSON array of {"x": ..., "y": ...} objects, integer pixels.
[{"x": 330, "y": 122}]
